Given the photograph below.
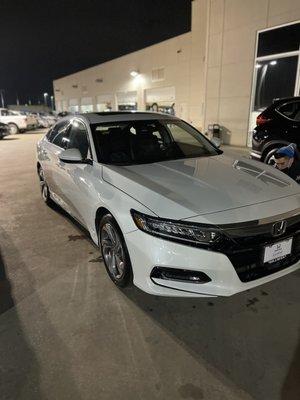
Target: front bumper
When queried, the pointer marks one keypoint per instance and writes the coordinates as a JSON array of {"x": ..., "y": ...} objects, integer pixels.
[
  {"x": 4, "y": 132},
  {"x": 147, "y": 252},
  {"x": 255, "y": 155}
]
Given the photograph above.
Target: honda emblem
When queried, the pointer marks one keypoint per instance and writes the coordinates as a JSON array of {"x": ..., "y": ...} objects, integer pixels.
[{"x": 279, "y": 228}]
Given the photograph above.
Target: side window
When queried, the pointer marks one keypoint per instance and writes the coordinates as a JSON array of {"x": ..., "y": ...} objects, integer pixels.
[
  {"x": 182, "y": 136},
  {"x": 291, "y": 110},
  {"x": 78, "y": 138},
  {"x": 58, "y": 135}
]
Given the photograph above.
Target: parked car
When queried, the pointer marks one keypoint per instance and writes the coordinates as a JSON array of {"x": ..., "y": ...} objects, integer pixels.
[
  {"x": 31, "y": 120},
  {"x": 4, "y": 130},
  {"x": 63, "y": 114},
  {"x": 168, "y": 210},
  {"x": 277, "y": 126},
  {"x": 42, "y": 121},
  {"x": 16, "y": 122},
  {"x": 52, "y": 119}
]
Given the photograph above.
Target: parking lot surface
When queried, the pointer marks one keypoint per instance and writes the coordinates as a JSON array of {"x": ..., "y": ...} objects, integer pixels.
[{"x": 66, "y": 332}]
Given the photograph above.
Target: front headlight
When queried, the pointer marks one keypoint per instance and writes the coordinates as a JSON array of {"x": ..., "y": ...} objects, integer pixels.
[{"x": 176, "y": 230}]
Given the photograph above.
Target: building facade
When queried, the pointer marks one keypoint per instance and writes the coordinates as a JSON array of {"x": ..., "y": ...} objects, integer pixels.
[{"x": 238, "y": 56}]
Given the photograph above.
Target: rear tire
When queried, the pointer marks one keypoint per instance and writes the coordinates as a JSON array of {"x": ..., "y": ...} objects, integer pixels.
[
  {"x": 114, "y": 252},
  {"x": 13, "y": 128}
]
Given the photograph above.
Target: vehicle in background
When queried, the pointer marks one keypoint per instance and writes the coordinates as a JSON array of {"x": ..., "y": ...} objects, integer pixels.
[
  {"x": 4, "y": 130},
  {"x": 52, "y": 119},
  {"x": 16, "y": 122},
  {"x": 32, "y": 122},
  {"x": 278, "y": 125},
  {"x": 43, "y": 122},
  {"x": 63, "y": 114}
]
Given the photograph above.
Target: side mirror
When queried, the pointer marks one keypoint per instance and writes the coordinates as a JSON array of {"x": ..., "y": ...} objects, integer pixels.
[
  {"x": 216, "y": 142},
  {"x": 71, "y": 156}
]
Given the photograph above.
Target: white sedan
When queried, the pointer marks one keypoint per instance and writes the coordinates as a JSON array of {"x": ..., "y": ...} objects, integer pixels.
[{"x": 168, "y": 210}]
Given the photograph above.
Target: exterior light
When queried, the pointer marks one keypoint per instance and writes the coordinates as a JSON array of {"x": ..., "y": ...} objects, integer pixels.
[
  {"x": 274, "y": 62},
  {"x": 258, "y": 65},
  {"x": 45, "y": 98},
  {"x": 134, "y": 73}
]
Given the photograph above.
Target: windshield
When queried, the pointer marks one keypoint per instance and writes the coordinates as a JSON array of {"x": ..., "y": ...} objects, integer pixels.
[{"x": 141, "y": 142}]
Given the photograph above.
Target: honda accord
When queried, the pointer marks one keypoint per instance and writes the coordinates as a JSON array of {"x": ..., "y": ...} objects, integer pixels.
[{"x": 169, "y": 212}]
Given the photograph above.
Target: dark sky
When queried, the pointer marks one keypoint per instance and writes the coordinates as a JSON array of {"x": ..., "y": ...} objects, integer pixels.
[{"x": 42, "y": 41}]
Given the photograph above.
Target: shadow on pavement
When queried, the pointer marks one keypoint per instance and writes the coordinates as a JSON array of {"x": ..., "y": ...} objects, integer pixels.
[
  {"x": 6, "y": 299},
  {"x": 241, "y": 339},
  {"x": 291, "y": 386},
  {"x": 30, "y": 348}
]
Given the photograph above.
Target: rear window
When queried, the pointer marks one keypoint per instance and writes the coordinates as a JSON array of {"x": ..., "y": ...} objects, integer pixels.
[{"x": 290, "y": 110}]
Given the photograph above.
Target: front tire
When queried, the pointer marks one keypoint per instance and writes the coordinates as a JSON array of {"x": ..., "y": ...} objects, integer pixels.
[
  {"x": 114, "y": 252},
  {"x": 44, "y": 187}
]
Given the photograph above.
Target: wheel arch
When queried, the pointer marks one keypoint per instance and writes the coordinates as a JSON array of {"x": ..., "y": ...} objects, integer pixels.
[{"x": 100, "y": 212}]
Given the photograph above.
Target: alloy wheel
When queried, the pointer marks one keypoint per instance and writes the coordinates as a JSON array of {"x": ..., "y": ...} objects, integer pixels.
[
  {"x": 43, "y": 185},
  {"x": 113, "y": 252}
]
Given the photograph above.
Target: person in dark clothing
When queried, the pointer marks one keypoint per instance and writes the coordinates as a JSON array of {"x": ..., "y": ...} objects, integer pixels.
[{"x": 287, "y": 161}]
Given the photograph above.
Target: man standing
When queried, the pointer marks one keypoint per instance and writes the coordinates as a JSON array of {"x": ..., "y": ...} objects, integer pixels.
[{"x": 286, "y": 160}]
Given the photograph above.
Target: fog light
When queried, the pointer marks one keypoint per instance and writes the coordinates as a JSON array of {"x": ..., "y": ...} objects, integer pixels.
[{"x": 180, "y": 275}]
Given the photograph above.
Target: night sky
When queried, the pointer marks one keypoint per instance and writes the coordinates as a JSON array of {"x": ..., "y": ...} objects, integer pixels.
[{"x": 42, "y": 41}]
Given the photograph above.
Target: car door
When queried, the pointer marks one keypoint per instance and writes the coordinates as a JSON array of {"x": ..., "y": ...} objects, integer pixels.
[
  {"x": 56, "y": 141},
  {"x": 76, "y": 187}
]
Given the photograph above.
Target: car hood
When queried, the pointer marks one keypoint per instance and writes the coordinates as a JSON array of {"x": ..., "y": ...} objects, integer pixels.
[{"x": 181, "y": 189}]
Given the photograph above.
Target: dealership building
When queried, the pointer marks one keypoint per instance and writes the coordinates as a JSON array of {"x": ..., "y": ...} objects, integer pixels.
[{"x": 238, "y": 57}]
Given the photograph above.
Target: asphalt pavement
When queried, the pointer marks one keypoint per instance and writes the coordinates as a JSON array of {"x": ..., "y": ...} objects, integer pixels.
[{"x": 66, "y": 332}]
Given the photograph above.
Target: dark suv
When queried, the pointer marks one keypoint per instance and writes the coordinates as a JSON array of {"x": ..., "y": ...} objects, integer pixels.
[{"x": 277, "y": 126}]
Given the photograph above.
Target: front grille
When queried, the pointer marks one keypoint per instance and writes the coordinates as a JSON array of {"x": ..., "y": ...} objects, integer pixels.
[{"x": 246, "y": 252}]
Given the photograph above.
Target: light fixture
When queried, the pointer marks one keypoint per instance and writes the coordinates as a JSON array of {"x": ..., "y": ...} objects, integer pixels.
[
  {"x": 274, "y": 62},
  {"x": 134, "y": 73},
  {"x": 258, "y": 65}
]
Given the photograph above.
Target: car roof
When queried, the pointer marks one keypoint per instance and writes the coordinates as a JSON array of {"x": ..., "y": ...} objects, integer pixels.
[
  {"x": 285, "y": 99},
  {"x": 115, "y": 116}
]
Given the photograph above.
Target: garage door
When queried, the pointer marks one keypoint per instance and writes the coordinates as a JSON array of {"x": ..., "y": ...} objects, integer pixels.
[
  {"x": 127, "y": 100},
  {"x": 74, "y": 105},
  {"x": 104, "y": 102},
  {"x": 161, "y": 99},
  {"x": 87, "y": 104}
]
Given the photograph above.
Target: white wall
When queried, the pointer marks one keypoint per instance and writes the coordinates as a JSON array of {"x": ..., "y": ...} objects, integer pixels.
[
  {"x": 173, "y": 55},
  {"x": 233, "y": 25}
]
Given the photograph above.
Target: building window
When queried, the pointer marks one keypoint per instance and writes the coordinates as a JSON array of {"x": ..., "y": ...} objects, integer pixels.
[
  {"x": 279, "y": 40},
  {"x": 275, "y": 79},
  {"x": 275, "y": 69}
]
